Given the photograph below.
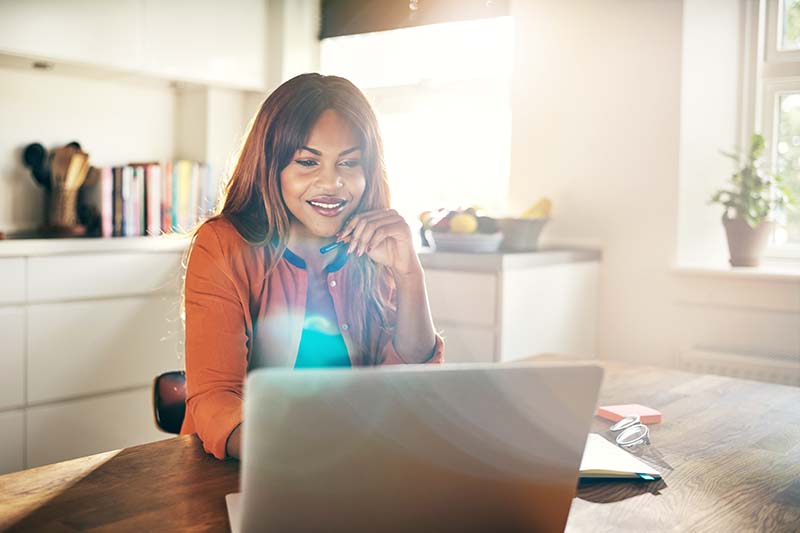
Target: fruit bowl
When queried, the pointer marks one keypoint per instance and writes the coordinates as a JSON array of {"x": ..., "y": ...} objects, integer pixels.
[
  {"x": 521, "y": 234},
  {"x": 465, "y": 242}
]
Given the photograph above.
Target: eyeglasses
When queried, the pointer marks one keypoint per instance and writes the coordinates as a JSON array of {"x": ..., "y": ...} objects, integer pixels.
[{"x": 632, "y": 430}]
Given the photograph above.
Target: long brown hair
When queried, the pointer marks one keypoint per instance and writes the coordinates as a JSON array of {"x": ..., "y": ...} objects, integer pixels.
[{"x": 253, "y": 201}]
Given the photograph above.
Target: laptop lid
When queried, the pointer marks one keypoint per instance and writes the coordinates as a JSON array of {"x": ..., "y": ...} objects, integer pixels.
[{"x": 471, "y": 447}]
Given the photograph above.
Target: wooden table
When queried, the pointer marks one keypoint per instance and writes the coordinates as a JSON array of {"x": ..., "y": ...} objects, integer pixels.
[{"x": 729, "y": 450}]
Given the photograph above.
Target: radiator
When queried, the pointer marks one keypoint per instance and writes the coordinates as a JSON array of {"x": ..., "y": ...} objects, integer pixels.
[{"x": 783, "y": 370}]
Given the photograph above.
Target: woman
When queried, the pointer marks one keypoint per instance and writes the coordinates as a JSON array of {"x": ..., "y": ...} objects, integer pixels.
[{"x": 259, "y": 290}]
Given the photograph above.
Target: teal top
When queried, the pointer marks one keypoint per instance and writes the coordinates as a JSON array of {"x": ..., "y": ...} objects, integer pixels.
[{"x": 321, "y": 345}]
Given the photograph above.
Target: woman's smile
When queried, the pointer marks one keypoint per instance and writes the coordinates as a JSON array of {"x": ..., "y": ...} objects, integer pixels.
[{"x": 328, "y": 206}]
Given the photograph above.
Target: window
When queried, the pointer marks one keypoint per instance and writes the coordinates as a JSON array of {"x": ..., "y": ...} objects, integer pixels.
[
  {"x": 777, "y": 112},
  {"x": 442, "y": 94}
]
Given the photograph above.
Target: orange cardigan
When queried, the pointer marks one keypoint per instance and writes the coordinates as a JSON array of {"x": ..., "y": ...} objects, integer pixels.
[{"x": 238, "y": 319}]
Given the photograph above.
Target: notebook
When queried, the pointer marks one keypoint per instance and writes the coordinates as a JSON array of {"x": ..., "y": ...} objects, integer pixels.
[{"x": 605, "y": 460}]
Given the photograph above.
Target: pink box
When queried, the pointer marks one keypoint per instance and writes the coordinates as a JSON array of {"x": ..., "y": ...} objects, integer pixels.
[{"x": 618, "y": 412}]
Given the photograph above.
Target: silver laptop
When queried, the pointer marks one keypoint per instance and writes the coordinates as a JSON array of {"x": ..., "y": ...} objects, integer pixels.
[{"x": 476, "y": 447}]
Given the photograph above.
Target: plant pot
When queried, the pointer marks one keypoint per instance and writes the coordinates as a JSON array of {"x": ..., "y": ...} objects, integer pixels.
[{"x": 746, "y": 244}]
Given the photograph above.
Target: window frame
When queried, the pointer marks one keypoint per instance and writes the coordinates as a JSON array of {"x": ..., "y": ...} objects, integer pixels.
[{"x": 768, "y": 73}]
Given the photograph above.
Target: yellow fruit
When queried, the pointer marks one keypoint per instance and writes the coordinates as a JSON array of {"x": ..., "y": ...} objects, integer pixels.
[
  {"x": 425, "y": 218},
  {"x": 540, "y": 209},
  {"x": 463, "y": 223}
]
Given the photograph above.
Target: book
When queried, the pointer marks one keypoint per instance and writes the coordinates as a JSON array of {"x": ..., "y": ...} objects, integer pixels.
[
  {"x": 140, "y": 201},
  {"x": 604, "y": 460},
  {"x": 193, "y": 211},
  {"x": 181, "y": 195},
  {"x": 153, "y": 191},
  {"x": 149, "y": 198},
  {"x": 166, "y": 197},
  {"x": 127, "y": 201},
  {"x": 117, "y": 206},
  {"x": 106, "y": 202}
]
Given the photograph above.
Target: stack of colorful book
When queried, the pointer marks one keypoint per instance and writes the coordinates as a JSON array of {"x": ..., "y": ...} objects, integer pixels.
[{"x": 152, "y": 198}]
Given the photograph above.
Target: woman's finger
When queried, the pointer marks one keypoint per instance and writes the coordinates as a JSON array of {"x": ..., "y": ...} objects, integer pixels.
[
  {"x": 364, "y": 222},
  {"x": 369, "y": 230},
  {"x": 360, "y": 217},
  {"x": 385, "y": 233}
]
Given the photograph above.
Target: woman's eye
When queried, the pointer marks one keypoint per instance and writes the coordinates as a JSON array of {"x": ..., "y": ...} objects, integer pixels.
[
  {"x": 306, "y": 162},
  {"x": 350, "y": 163}
]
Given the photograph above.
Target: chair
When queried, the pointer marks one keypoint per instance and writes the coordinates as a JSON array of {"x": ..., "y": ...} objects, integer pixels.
[{"x": 169, "y": 400}]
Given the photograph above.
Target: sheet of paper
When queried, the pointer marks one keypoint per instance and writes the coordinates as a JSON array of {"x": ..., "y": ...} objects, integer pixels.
[
  {"x": 234, "y": 503},
  {"x": 601, "y": 457}
]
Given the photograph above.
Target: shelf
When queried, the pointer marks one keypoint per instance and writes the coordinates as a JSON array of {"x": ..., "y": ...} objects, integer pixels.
[
  {"x": 765, "y": 272},
  {"x": 38, "y": 247},
  {"x": 25, "y": 62}
]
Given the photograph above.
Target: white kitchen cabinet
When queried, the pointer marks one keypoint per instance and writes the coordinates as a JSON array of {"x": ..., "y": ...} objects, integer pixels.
[
  {"x": 98, "y": 275},
  {"x": 90, "y": 32},
  {"x": 502, "y": 307},
  {"x": 81, "y": 343},
  {"x": 91, "y": 347},
  {"x": 65, "y": 430},
  {"x": 12, "y": 425},
  {"x": 467, "y": 344},
  {"x": 200, "y": 41},
  {"x": 12, "y": 356},
  {"x": 12, "y": 274},
  {"x": 462, "y": 297},
  {"x": 551, "y": 308},
  {"x": 206, "y": 41}
]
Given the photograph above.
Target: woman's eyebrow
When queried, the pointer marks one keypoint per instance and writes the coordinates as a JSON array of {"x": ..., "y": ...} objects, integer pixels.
[{"x": 317, "y": 152}]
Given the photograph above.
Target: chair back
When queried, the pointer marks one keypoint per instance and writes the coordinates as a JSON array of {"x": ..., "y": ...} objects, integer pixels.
[{"x": 169, "y": 400}]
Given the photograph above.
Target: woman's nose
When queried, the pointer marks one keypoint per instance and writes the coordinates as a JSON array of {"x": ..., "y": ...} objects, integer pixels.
[{"x": 329, "y": 177}]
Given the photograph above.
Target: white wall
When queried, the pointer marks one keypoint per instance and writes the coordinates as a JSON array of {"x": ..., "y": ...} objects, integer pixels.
[
  {"x": 210, "y": 123},
  {"x": 596, "y": 102},
  {"x": 712, "y": 42},
  {"x": 115, "y": 122},
  {"x": 605, "y": 126},
  {"x": 293, "y": 39}
]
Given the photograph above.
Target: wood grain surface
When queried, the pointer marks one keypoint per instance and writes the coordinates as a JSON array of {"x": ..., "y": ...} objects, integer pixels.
[{"x": 729, "y": 450}]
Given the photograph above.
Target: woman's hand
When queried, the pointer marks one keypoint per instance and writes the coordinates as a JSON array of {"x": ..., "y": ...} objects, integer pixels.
[{"x": 385, "y": 237}]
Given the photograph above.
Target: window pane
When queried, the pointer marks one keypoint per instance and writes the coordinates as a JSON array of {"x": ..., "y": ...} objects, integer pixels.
[
  {"x": 442, "y": 95},
  {"x": 790, "y": 25},
  {"x": 788, "y": 162},
  {"x": 446, "y": 150},
  {"x": 443, "y": 52}
]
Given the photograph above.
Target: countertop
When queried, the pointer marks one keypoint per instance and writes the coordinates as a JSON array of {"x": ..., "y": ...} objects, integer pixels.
[
  {"x": 502, "y": 261},
  {"x": 471, "y": 262},
  {"x": 92, "y": 245}
]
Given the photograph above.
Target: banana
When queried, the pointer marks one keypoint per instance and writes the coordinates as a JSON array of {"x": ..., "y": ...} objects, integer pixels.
[{"x": 540, "y": 209}]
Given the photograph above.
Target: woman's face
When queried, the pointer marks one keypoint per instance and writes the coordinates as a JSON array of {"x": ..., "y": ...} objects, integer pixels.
[{"x": 324, "y": 182}]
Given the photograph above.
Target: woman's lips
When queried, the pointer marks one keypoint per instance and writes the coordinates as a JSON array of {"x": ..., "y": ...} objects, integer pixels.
[{"x": 328, "y": 207}]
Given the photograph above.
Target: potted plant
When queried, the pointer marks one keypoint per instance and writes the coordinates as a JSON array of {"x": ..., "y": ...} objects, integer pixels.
[{"x": 751, "y": 200}]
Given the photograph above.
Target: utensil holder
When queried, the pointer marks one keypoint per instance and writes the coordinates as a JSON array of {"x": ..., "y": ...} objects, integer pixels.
[{"x": 62, "y": 212}]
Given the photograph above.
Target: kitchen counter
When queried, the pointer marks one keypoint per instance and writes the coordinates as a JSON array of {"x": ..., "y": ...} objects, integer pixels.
[
  {"x": 465, "y": 262},
  {"x": 92, "y": 245},
  {"x": 504, "y": 261}
]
